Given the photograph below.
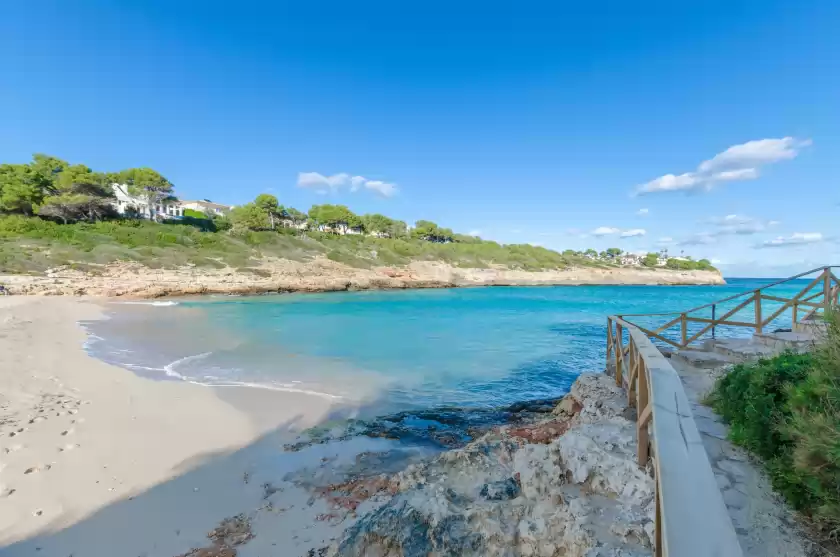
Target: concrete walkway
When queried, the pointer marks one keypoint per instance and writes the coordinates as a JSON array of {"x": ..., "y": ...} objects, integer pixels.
[{"x": 764, "y": 523}]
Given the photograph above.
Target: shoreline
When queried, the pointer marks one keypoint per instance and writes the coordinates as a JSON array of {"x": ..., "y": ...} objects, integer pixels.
[
  {"x": 105, "y": 462},
  {"x": 135, "y": 281},
  {"x": 127, "y": 465},
  {"x": 78, "y": 435},
  {"x": 174, "y": 297}
]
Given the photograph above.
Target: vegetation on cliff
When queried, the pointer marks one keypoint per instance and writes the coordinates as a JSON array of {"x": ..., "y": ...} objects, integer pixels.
[
  {"x": 54, "y": 213},
  {"x": 786, "y": 410}
]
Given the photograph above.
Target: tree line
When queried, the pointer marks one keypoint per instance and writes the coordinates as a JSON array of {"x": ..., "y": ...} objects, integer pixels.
[
  {"x": 651, "y": 259},
  {"x": 266, "y": 213},
  {"x": 53, "y": 188}
]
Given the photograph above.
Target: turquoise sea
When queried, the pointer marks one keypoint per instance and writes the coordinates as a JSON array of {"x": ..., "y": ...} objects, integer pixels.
[{"x": 399, "y": 350}]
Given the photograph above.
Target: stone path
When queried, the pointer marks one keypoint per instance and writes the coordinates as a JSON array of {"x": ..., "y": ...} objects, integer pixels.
[{"x": 764, "y": 523}]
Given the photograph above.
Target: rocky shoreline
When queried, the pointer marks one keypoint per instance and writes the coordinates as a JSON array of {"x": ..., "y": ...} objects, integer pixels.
[
  {"x": 320, "y": 275},
  {"x": 557, "y": 479}
]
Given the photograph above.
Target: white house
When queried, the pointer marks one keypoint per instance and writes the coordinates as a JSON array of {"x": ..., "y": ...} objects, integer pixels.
[
  {"x": 289, "y": 223},
  {"x": 341, "y": 229},
  {"x": 206, "y": 206},
  {"x": 631, "y": 259},
  {"x": 125, "y": 202}
]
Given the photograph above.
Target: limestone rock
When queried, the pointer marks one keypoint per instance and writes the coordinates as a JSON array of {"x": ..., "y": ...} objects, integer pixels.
[
  {"x": 315, "y": 275},
  {"x": 579, "y": 494}
]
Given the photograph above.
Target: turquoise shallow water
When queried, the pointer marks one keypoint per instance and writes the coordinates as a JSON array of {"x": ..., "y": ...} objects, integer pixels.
[{"x": 402, "y": 349}]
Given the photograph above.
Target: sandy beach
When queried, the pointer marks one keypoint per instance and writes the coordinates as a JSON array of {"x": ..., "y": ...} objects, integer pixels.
[{"x": 95, "y": 460}]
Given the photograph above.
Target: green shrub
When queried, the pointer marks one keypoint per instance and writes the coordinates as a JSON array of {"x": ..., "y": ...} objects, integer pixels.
[
  {"x": 753, "y": 399},
  {"x": 348, "y": 259},
  {"x": 192, "y": 213},
  {"x": 815, "y": 431},
  {"x": 200, "y": 239},
  {"x": 786, "y": 410}
]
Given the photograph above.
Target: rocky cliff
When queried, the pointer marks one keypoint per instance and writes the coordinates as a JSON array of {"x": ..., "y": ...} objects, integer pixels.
[{"x": 318, "y": 275}]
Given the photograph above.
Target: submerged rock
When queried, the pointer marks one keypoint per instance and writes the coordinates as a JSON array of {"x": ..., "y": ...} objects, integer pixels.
[
  {"x": 442, "y": 428},
  {"x": 578, "y": 494},
  {"x": 230, "y": 533}
]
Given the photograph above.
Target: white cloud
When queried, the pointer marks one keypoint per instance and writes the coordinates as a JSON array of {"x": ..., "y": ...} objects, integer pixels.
[
  {"x": 328, "y": 184},
  {"x": 730, "y": 219},
  {"x": 319, "y": 182},
  {"x": 699, "y": 239},
  {"x": 665, "y": 240},
  {"x": 612, "y": 231},
  {"x": 384, "y": 189},
  {"x": 739, "y": 225},
  {"x": 605, "y": 231},
  {"x": 633, "y": 232},
  {"x": 356, "y": 182},
  {"x": 642, "y": 212},
  {"x": 755, "y": 153},
  {"x": 737, "y": 163},
  {"x": 795, "y": 239},
  {"x": 669, "y": 182}
]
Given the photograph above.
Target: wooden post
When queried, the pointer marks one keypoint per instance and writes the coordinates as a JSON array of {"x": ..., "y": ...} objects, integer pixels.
[
  {"x": 795, "y": 316},
  {"x": 643, "y": 412},
  {"x": 714, "y": 306},
  {"x": 757, "y": 303},
  {"x": 619, "y": 353},
  {"x": 609, "y": 342},
  {"x": 684, "y": 329},
  {"x": 826, "y": 291},
  {"x": 634, "y": 375},
  {"x": 658, "y": 550}
]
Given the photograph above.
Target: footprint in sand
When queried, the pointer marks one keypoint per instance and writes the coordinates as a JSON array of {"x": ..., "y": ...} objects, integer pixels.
[
  {"x": 17, "y": 432},
  {"x": 39, "y": 468},
  {"x": 12, "y": 448},
  {"x": 68, "y": 447},
  {"x": 37, "y": 419},
  {"x": 67, "y": 432}
]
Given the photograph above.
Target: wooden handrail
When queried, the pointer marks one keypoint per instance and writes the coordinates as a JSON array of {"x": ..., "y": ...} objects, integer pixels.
[
  {"x": 807, "y": 300},
  {"x": 766, "y": 286},
  {"x": 691, "y": 517}
]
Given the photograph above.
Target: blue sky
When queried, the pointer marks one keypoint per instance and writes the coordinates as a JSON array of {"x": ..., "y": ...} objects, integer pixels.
[{"x": 529, "y": 122}]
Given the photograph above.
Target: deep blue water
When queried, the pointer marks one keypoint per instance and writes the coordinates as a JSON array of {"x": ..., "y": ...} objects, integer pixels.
[{"x": 404, "y": 349}]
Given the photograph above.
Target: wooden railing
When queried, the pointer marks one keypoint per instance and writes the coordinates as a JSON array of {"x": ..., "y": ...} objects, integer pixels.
[
  {"x": 810, "y": 303},
  {"x": 691, "y": 517}
]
